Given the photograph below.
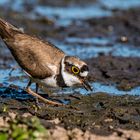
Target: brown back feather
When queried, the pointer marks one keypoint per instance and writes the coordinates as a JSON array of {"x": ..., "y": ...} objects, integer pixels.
[
  {"x": 31, "y": 53},
  {"x": 7, "y": 30}
]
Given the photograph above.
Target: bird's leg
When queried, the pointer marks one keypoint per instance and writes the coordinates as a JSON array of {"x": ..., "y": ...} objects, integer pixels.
[
  {"x": 43, "y": 99},
  {"x": 28, "y": 90},
  {"x": 36, "y": 90},
  {"x": 37, "y": 85},
  {"x": 28, "y": 87},
  {"x": 29, "y": 83},
  {"x": 13, "y": 69},
  {"x": 38, "y": 96}
]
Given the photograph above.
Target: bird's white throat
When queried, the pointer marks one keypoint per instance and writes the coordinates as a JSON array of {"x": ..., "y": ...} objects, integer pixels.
[{"x": 69, "y": 79}]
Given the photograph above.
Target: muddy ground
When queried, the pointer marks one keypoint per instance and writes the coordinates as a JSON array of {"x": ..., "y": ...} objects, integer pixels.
[{"x": 98, "y": 115}]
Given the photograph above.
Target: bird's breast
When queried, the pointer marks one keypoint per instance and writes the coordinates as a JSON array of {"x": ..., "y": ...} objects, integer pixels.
[{"x": 50, "y": 81}]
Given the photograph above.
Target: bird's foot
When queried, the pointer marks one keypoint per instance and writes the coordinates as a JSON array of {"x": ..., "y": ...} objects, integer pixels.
[{"x": 49, "y": 101}]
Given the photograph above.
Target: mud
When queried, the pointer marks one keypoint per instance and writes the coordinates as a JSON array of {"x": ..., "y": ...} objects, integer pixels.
[
  {"x": 122, "y": 71},
  {"x": 109, "y": 43},
  {"x": 99, "y": 114}
]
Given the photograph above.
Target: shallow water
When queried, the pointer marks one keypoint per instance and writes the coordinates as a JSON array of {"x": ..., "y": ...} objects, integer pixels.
[
  {"x": 111, "y": 89},
  {"x": 65, "y": 15},
  {"x": 94, "y": 48},
  {"x": 18, "y": 79},
  {"x": 120, "y": 4},
  {"x": 15, "y": 78},
  {"x": 19, "y": 94},
  {"x": 97, "y": 46},
  {"x": 102, "y": 88}
]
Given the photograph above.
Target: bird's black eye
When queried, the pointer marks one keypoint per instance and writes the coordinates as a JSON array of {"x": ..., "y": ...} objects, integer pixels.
[
  {"x": 75, "y": 70},
  {"x": 84, "y": 68}
]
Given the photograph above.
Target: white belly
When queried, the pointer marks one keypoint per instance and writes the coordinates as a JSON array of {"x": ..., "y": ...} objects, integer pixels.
[{"x": 50, "y": 81}]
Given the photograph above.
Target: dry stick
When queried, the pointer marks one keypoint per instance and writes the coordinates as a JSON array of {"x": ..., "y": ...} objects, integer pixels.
[{"x": 28, "y": 90}]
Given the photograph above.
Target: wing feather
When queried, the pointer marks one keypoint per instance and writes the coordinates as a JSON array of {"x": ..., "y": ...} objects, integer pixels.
[{"x": 35, "y": 56}]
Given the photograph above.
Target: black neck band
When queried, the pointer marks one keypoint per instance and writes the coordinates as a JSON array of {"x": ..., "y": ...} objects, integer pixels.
[{"x": 59, "y": 78}]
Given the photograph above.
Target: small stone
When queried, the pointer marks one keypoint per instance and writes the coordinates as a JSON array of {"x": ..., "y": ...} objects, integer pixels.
[
  {"x": 124, "y": 39},
  {"x": 55, "y": 121},
  {"x": 12, "y": 115},
  {"x": 108, "y": 120}
]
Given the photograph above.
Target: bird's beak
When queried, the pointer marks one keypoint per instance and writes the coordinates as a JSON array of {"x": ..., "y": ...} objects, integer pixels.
[{"x": 86, "y": 85}]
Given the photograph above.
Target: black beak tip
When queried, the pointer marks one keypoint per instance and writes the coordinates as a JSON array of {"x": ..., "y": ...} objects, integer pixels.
[
  {"x": 87, "y": 86},
  {"x": 91, "y": 89}
]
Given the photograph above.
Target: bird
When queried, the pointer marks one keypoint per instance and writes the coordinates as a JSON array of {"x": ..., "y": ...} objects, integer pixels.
[{"x": 43, "y": 62}]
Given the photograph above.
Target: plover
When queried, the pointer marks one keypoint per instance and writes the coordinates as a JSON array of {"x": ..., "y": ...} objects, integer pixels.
[{"x": 42, "y": 61}]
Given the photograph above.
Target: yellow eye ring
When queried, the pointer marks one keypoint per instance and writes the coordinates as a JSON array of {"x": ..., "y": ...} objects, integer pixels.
[{"x": 75, "y": 70}]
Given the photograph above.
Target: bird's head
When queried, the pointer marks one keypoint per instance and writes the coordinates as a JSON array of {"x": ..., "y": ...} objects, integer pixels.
[{"x": 74, "y": 71}]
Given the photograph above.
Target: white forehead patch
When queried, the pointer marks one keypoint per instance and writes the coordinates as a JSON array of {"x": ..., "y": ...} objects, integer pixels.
[{"x": 84, "y": 74}]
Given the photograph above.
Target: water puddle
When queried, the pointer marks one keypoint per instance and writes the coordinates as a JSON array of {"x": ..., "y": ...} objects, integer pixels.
[
  {"x": 95, "y": 40},
  {"x": 97, "y": 46},
  {"x": 102, "y": 88},
  {"x": 16, "y": 5},
  {"x": 111, "y": 89},
  {"x": 65, "y": 15},
  {"x": 18, "y": 79},
  {"x": 120, "y": 4},
  {"x": 62, "y": 15},
  {"x": 7, "y": 92}
]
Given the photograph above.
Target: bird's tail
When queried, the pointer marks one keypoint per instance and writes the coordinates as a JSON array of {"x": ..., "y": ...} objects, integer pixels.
[{"x": 7, "y": 30}]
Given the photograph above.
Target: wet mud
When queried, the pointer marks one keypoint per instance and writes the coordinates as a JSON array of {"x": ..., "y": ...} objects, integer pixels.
[
  {"x": 122, "y": 71},
  {"x": 109, "y": 43}
]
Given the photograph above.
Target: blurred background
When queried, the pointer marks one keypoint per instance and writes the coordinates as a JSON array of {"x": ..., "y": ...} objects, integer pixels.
[
  {"x": 105, "y": 33},
  {"x": 76, "y": 24}
]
